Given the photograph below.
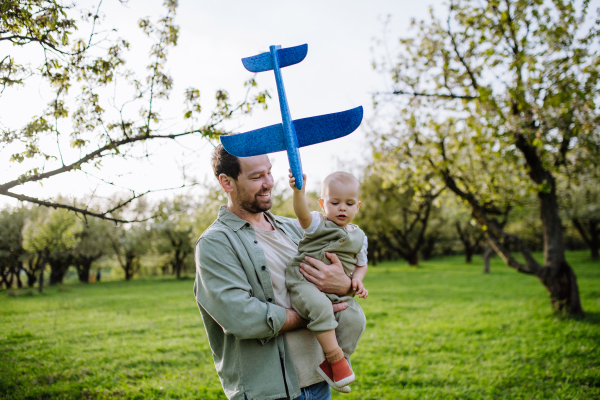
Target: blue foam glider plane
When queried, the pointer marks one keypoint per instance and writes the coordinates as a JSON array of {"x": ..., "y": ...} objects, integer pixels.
[{"x": 289, "y": 135}]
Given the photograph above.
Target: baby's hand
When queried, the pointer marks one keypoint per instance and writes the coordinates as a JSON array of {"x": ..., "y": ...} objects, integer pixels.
[
  {"x": 359, "y": 288},
  {"x": 293, "y": 182}
]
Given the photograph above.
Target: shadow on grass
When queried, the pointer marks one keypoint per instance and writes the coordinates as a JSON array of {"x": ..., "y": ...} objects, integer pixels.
[{"x": 591, "y": 318}]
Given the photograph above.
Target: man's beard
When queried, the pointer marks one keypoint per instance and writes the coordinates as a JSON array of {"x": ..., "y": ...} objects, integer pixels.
[{"x": 255, "y": 206}]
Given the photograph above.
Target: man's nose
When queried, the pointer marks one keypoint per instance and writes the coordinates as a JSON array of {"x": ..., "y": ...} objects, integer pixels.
[{"x": 269, "y": 183}]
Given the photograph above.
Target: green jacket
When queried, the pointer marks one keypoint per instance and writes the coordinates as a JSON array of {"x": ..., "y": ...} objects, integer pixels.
[{"x": 235, "y": 296}]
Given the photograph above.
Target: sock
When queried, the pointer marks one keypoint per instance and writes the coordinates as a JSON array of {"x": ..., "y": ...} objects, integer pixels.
[{"x": 335, "y": 355}]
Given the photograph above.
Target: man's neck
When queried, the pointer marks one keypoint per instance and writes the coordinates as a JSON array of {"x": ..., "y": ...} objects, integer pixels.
[{"x": 257, "y": 220}]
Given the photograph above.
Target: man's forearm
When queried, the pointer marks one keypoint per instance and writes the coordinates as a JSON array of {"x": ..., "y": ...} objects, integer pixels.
[{"x": 293, "y": 321}]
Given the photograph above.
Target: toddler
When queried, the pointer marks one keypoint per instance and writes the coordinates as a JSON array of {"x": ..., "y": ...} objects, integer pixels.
[{"x": 337, "y": 334}]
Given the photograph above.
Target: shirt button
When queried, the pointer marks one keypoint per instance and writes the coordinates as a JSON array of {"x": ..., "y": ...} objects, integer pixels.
[
  {"x": 269, "y": 299},
  {"x": 255, "y": 241},
  {"x": 263, "y": 267},
  {"x": 341, "y": 240},
  {"x": 247, "y": 225}
]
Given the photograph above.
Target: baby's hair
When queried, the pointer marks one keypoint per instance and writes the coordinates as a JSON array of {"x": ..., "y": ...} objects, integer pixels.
[{"x": 344, "y": 178}]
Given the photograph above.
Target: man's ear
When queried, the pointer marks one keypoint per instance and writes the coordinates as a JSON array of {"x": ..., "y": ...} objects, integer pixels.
[
  {"x": 226, "y": 183},
  {"x": 322, "y": 204}
]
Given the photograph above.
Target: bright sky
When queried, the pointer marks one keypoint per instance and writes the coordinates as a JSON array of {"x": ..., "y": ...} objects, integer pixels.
[{"x": 336, "y": 75}]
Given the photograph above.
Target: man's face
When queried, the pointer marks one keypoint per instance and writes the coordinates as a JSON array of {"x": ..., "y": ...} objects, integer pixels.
[{"x": 253, "y": 187}]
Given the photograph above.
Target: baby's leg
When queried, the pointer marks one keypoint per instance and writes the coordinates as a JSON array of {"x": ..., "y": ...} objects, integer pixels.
[{"x": 313, "y": 305}]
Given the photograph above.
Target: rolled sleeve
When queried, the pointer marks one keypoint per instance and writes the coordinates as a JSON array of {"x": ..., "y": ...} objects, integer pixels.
[
  {"x": 314, "y": 224},
  {"x": 361, "y": 257},
  {"x": 224, "y": 292}
]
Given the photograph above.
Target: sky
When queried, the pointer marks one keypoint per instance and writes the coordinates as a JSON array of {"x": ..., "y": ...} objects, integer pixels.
[{"x": 343, "y": 37}]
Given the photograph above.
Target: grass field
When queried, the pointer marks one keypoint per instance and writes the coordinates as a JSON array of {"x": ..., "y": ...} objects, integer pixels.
[{"x": 443, "y": 330}]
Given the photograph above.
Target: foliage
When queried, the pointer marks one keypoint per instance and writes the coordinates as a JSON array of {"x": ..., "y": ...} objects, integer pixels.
[
  {"x": 11, "y": 246},
  {"x": 174, "y": 232},
  {"x": 444, "y": 330},
  {"x": 396, "y": 214},
  {"x": 129, "y": 244},
  {"x": 92, "y": 244},
  {"x": 111, "y": 110},
  {"x": 48, "y": 236},
  {"x": 518, "y": 84}
]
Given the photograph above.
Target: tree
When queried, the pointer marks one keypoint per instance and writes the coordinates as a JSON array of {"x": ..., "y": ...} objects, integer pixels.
[
  {"x": 397, "y": 217},
  {"x": 98, "y": 121},
  {"x": 50, "y": 235},
  {"x": 174, "y": 230},
  {"x": 518, "y": 82},
  {"x": 11, "y": 246},
  {"x": 129, "y": 244},
  {"x": 92, "y": 244},
  {"x": 582, "y": 206}
]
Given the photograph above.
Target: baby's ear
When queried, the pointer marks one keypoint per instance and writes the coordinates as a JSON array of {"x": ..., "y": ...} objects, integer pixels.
[
  {"x": 321, "y": 203},
  {"x": 358, "y": 206}
]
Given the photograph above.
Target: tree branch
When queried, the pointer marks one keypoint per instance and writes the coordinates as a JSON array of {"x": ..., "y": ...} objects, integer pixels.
[{"x": 423, "y": 94}]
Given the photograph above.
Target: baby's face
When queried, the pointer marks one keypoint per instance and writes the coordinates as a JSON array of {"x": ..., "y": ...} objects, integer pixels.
[{"x": 340, "y": 202}]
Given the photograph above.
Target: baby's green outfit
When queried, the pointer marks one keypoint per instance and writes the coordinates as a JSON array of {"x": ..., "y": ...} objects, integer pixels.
[{"x": 310, "y": 302}]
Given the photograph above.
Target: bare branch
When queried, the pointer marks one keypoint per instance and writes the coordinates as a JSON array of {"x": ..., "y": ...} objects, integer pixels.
[{"x": 423, "y": 94}]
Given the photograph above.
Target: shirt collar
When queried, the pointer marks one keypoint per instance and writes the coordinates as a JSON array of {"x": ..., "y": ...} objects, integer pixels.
[{"x": 235, "y": 222}]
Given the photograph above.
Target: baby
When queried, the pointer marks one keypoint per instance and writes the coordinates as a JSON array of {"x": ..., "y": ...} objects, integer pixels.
[{"x": 331, "y": 233}]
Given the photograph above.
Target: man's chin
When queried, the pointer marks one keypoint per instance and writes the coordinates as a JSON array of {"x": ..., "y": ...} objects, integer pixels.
[{"x": 257, "y": 206}]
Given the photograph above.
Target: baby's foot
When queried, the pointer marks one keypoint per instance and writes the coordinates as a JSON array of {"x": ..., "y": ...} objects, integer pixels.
[{"x": 343, "y": 377}]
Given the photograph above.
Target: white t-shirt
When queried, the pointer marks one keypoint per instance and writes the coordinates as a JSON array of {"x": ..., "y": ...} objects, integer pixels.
[
  {"x": 304, "y": 349},
  {"x": 361, "y": 257}
]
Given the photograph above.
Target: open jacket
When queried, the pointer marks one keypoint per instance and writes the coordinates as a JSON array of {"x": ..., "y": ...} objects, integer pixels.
[{"x": 235, "y": 296}]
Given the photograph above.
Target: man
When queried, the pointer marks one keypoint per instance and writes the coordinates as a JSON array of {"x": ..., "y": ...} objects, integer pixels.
[{"x": 240, "y": 290}]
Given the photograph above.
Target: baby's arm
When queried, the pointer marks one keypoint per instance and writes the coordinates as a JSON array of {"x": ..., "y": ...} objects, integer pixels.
[
  {"x": 357, "y": 281},
  {"x": 360, "y": 271},
  {"x": 300, "y": 206}
]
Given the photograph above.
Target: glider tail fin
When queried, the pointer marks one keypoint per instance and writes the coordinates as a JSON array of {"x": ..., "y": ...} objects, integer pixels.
[{"x": 288, "y": 56}]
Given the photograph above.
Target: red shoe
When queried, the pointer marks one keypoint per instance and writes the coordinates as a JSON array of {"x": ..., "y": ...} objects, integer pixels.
[{"x": 326, "y": 371}]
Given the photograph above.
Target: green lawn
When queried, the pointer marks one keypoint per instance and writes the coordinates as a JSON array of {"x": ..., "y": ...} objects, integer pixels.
[{"x": 443, "y": 330}]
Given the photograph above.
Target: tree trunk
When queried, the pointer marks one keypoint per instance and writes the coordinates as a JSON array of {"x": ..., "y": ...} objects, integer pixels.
[
  {"x": 413, "y": 259},
  {"x": 58, "y": 269},
  {"x": 556, "y": 274},
  {"x": 468, "y": 255},
  {"x": 42, "y": 267},
  {"x": 18, "y": 274},
  {"x": 487, "y": 256},
  {"x": 591, "y": 236},
  {"x": 83, "y": 270},
  {"x": 429, "y": 247},
  {"x": 595, "y": 238}
]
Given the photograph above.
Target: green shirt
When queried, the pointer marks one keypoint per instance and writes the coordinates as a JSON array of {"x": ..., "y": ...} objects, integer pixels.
[{"x": 235, "y": 296}]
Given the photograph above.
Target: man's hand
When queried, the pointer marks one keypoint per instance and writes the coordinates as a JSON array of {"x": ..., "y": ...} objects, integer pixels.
[
  {"x": 294, "y": 321},
  {"x": 327, "y": 278}
]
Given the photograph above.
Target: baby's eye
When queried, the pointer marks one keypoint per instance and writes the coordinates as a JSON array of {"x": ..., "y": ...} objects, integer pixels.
[{"x": 335, "y": 204}]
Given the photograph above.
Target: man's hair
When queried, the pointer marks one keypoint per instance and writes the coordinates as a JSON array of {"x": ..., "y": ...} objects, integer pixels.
[
  {"x": 342, "y": 177},
  {"x": 224, "y": 163}
]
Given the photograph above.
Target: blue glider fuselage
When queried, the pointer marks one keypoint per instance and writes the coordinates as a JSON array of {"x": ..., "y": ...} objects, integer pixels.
[{"x": 290, "y": 135}]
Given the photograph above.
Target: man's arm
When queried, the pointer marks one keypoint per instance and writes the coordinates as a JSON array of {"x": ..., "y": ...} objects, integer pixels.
[
  {"x": 327, "y": 278},
  {"x": 224, "y": 292}
]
